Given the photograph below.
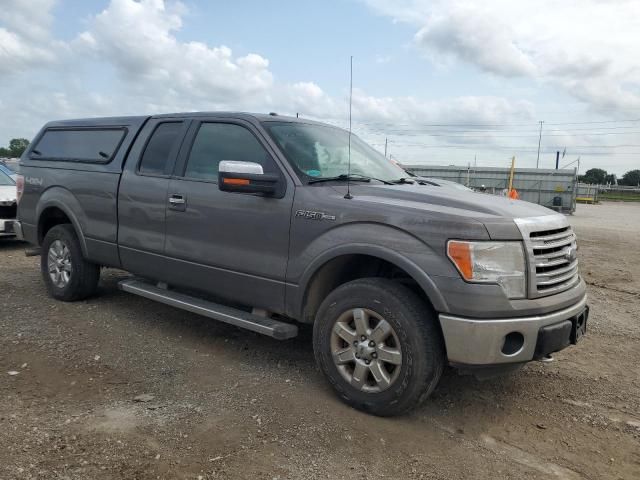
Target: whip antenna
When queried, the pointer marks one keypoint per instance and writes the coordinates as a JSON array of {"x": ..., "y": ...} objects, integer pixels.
[{"x": 348, "y": 195}]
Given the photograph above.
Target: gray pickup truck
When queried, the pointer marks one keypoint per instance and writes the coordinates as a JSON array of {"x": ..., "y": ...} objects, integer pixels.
[{"x": 266, "y": 221}]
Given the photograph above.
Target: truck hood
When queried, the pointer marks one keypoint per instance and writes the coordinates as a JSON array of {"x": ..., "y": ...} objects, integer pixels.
[
  {"x": 8, "y": 194},
  {"x": 479, "y": 205},
  {"x": 496, "y": 213}
]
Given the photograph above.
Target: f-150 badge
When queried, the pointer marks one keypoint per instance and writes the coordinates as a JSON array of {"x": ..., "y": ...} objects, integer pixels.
[{"x": 310, "y": 215}]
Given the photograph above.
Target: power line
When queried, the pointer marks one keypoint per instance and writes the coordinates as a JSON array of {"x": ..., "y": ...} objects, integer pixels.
[
  {"x": 593, "y": 122},
  {"x": 539, "y": 140},
  {"x": 529, "y": 124},
  {"x": 506, "y": 130},
  {"x": 626, "y": 145},
  {"x": 399, "y": 133}
]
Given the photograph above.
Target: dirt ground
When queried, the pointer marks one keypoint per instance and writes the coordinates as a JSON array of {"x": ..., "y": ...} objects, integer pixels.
[{"x": 225, "y": 403}]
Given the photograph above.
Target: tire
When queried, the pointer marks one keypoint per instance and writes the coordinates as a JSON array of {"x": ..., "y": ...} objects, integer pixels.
[
  {"x": 408, "y": 363},
  {"x": 76, "y": 278}
]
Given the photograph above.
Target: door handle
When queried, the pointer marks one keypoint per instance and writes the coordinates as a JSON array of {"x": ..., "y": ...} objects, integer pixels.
[{"x": 177, "y": 202}]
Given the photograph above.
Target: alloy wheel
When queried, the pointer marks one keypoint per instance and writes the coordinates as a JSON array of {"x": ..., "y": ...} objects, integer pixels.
[
  {"x": 366, "y": 350},
  {"x": 59, "y": 263}
]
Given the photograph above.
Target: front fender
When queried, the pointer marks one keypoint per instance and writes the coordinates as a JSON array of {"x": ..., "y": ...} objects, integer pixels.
[{"x": 393, "y": 245}]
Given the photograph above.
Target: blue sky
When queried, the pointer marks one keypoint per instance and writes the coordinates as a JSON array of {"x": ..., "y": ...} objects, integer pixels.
[{"x": 443, "y": 81}]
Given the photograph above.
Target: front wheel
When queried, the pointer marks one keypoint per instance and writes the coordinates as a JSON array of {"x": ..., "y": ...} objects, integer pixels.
[
  {"x": 379, "y": 346},
  {"x": 66, "y": 273}
]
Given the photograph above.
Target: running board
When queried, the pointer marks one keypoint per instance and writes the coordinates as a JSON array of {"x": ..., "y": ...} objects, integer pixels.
[{"x": 232, "y": 316}]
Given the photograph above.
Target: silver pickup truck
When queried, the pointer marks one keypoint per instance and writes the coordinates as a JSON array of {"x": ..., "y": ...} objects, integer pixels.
[{"x": 266, "y": 221}]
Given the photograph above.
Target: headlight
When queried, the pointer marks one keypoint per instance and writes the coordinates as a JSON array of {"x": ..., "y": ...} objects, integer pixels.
[{"x": 491, "y": 262}]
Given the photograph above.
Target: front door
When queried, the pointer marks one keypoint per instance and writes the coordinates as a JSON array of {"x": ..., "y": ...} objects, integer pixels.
[{"x": 232, "y": 245}]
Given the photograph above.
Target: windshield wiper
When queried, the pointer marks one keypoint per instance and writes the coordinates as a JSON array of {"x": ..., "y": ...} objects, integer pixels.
[
  {"x": 386, "y": 182},
  {"x": 408, "y": 181},
  {"x": 354, "y": 177},
  {"x": 340, "y": 178}
]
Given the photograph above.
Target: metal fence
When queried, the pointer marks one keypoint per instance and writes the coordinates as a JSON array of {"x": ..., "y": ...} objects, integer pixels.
[
  {"x": 547, "y": 187},
  {"x": 616, "y": 193},
  {"x": 619, "y": 194},
  {"x": 587, "y": 193}
]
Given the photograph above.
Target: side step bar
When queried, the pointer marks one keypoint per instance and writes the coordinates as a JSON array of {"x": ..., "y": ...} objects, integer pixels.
[{"x": 233, "y": 316}]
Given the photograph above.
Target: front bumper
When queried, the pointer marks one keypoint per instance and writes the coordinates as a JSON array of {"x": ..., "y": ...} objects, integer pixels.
[
  {"x": 7, "y": 227},
  {"x": 17, "y": 228},
  {"x": 496, "y": 341}
]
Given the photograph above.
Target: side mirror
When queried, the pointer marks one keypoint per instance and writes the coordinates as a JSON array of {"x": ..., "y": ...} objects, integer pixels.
[{"x": 246, "y": 177}]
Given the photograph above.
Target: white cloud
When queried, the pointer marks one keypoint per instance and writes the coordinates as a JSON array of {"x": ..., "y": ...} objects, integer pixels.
[
  {"x": 24, "y": 35},
  {"x": 410, "y": 110},
  {"x": 588, "y": 48},
  {"x": 30, "y": 19},
  {"x": 157, "y": 72},
  {"x": 130, "y": 60},
  {"x": 473, "y": 39},
  {"x": 138, "y": 39}
]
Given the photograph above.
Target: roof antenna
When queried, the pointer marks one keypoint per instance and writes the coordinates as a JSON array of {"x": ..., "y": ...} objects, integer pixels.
[{"x": 348, "y": 196}]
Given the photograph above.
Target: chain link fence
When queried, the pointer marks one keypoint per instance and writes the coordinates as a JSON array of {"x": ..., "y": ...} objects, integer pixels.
[{"x": 588, "y": 193}]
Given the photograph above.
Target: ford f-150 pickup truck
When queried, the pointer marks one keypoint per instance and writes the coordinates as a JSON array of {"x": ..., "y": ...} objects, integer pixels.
[{"x": 267, "y": 221}]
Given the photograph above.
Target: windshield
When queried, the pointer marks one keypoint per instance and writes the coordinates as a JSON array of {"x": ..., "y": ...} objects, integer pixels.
[
  {"x": 318, "y": 151},
  {"x": 6, "y": 179}
]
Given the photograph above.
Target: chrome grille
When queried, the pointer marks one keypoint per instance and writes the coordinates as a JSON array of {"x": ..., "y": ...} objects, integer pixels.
[
  {"x": 551, "y": 248},
  {"x": 556, "y": 262}
]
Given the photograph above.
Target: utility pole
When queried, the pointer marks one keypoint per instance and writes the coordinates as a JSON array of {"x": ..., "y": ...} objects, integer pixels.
[
  {"x": 511, "y": 172},
  {"x": 385, "y": 147},
  {"x": 539, "y": 140},
  {"x": 557, "y": 159}
]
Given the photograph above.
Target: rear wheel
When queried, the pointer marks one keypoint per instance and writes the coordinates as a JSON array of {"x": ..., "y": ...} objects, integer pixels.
[
  {"x": 379, "y": 346},
  {"x": 66, "y": 273}
]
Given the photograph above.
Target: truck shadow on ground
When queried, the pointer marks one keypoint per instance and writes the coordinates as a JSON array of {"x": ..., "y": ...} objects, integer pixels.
[
  {"x": 11, "y": 244},
  {"x": 454, "y": 395}
]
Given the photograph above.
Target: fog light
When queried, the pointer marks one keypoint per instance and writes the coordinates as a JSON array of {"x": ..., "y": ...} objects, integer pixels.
[{"x": 513, "y": 343}]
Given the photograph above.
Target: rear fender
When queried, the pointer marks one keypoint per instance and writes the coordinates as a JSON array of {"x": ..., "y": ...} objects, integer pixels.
[{"x": 63, "y": 199}]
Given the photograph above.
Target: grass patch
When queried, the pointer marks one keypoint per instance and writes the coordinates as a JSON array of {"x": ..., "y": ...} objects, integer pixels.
[{"x": 617, "y": 197}]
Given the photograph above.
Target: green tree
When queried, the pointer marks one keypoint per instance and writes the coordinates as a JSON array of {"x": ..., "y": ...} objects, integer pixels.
[
  {"x": 594, "y": 176},
  {"x": 610, "y": 179},
  {"x": 5, "y": 152},
  {"x": 17, "y": 146},
  {"x": 631, "y": 178}
]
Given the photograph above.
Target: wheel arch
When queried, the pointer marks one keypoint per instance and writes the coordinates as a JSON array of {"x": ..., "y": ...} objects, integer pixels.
[
  {"x": 349, "y": 262},
  {"x": 52, "y": 211}
]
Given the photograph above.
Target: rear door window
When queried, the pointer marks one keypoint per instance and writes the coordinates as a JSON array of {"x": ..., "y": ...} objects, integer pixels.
[
  {"x": 161, "y": 147},
  {"x": 216, "y": 142},
  {"x": 92, "y": 145}
]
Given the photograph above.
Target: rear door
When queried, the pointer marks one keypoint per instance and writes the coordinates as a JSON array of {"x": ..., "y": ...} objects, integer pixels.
[
  {"x": 233, "y": 245},
  {"x": 142, "y": 197}
]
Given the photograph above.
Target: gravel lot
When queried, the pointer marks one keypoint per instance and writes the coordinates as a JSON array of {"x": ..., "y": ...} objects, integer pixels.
[{"x": 218, "y": 402}]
